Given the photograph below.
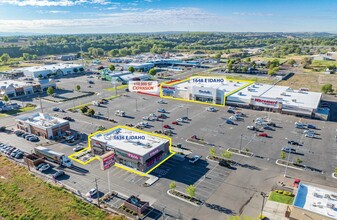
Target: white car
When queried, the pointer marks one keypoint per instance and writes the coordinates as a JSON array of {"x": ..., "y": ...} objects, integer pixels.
[
  {"x": 146, "y": 118},
  {"x": 44, "y": 167},
  {"x": 194, "y": 159},
  {"x": 234, "y": 118},
  {"x": 78, "y": 148},
  {"x": 308, "y": 132},
  {"x": 92, "y": 193},
  {"x": 211, "y": 109},
  {"x": 152, "y": 115},
  {"x": 251, "y": 127},
  {"x": 310, "y": 135},
  {"x": 180, "y": 120}
]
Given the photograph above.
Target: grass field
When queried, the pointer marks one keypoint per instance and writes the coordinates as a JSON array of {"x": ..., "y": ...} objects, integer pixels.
[
  {"x": 24, "y": 196},
  {"x": 276, "y": 197},
  {"x": 118, "y": 87},
  {"x": 13, "y": 112}
]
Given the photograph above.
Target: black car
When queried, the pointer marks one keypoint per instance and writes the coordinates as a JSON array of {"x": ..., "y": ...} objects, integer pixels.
[
  {"x": 271, "y": 124},
  {"x": 224, "y": 163},
  {"x": 294, "y": 143},
  {"x": 58, "y": 174},
  {"x": 19, "y": 155},
  {"x": 231, "y": 111}
]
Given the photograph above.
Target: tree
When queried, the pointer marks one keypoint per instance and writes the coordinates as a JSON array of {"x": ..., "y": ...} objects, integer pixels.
[
  {"x": 245, "y": 69},
  {"x": 5, "y": 58},
  {"x": 50, "y": 91},
  {"x": 298, "y": 160},
  {"x": 190, "y": 190},
  {"x": 227, "y": 154},
  {"x": 247, "y": 60},
  {"x": 131, "y": 69},
  {"x": 217, "y": 56},
  {"x": 5, "y": 98},
  {"x": 229, "y": 67},
  {"x": 291, "y": 62},
  {"x": 212, "y": 151},
  {"x": 173, "y": 185},
  {"x": 91, "y": 112},
  {"x": 306, "y": 61},
  {"x": 273, "y": 71},
  {"x": 78, "y": 87},
  {"x": 84, "y": 109},
  {"x": 283, "y": 155},
  {"x": 153, "y": 72},
  {"x": 112, "y": 67},
  {"x": 81, "y": 69},
  {"x": 327, "y": 88}
]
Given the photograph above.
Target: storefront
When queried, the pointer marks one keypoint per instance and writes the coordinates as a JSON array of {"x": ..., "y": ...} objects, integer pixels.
[{"x": 266, "y": 104}]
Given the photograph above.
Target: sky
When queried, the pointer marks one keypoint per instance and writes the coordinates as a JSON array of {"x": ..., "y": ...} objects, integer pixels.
[{"x": 129, "y": 16}]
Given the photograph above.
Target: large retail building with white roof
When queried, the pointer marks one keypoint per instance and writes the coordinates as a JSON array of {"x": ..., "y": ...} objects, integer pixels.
[
  {"x": 276, "y": 98},
  {"x": 131, "y": 148}
]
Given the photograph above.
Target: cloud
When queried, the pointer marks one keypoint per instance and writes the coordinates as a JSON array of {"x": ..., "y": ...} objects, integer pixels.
[
  {"x": 167, "y": 19},
  {"x": 44, "y": 3},
  {"x": 259, "y": 14},
  {"x": 130, "y": 9},
  {"x": 52, "y": 12}
]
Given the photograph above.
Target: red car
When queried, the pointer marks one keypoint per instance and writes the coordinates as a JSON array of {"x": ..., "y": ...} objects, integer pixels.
[
  {"x": 167, "y": 126},
  {"x": 175, "y": 123},
  {"x": 262, "y": 135}
]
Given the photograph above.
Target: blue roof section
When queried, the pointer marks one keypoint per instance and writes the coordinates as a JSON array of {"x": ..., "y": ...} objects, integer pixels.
[{"x": 301, "y": 196}]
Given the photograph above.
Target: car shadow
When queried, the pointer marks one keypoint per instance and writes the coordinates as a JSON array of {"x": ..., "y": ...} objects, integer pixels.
[{"x": 129, "y": 117}]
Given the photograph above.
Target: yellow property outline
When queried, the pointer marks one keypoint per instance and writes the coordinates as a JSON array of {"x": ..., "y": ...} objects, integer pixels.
[
  {"x": 120, "y": 165},
  {"x": 249, "y": 82}
]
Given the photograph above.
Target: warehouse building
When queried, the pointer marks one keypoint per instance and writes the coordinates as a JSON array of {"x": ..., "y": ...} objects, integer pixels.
[
  {"x": 134, "y": 149},
  {"x": 275, "y": 98},
  {"x": 43, "y": 125},
  {"x": 49, "y": 70},
  {"x": 123, "y": 76},
  {"x": 16, "y": 88}
]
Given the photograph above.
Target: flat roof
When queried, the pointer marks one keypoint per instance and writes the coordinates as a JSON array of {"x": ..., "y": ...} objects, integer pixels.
[
  {"x": 317, "y": 200},
  {"x": 120, "y": 138},
  {"x": 43, "y": 120},
  {"x": 227, "y": 86},
  {"x": 16, "y": 83},
  {"x": 51, "y": 67},
  {"x": 285, "y": 94}
]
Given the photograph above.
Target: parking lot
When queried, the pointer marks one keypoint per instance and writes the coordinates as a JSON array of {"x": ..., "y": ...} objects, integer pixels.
[{"x": 238, "y": 187}]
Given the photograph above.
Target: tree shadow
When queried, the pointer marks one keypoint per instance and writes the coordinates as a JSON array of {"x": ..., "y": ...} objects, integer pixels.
[{"x": 220, "y": 209}]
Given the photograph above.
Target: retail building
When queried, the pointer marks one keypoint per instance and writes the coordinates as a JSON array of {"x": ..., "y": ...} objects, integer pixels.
[{"x": 131, "y": 148}]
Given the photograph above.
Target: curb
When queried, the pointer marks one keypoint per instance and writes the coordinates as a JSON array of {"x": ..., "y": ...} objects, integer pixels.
[
  {"x": 195, "y": 143},
  {"x": 333, "y": 175},
  {"x": 184, "y": 200},
  {"x": 289, "y": 166},
  {"x": 207, "y": 158},
  {"x": 243, "y": 155}
]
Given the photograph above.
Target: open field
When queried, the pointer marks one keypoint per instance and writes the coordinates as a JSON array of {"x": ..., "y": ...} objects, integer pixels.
[
  {"x": 312, "y": 81},
  {"x": 25, "y": 196}
]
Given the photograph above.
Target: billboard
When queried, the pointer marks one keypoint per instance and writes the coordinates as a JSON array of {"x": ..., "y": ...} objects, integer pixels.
[{"x": 108, "y": 160}]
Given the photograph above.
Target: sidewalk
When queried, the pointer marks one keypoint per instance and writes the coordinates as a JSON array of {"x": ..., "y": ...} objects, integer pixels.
[{"x": 274, "y": 210}]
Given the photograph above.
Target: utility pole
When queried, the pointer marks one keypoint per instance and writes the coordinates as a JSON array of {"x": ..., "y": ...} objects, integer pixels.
[
  {"x": 263, "y": 197},
  {"x": 97, "y": 192}
]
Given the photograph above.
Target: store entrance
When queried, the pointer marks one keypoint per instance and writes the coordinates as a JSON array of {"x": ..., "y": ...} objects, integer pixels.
[{"x": 203, "y": 99}]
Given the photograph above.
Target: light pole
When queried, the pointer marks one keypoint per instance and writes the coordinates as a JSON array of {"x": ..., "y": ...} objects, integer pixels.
[
  {"x": 263, "y": 197},
  {"x": 285, "y": 171}
]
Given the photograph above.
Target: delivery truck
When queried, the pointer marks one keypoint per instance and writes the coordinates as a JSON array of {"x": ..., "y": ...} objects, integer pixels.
[{"x": 53, "y": 156}]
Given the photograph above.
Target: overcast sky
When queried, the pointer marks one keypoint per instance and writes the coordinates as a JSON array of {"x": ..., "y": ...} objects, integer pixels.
[{"x": 105, "y": 16}]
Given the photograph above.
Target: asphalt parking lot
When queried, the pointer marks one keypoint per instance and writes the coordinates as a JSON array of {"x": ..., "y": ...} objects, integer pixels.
[{"x": 238, "y": 187}]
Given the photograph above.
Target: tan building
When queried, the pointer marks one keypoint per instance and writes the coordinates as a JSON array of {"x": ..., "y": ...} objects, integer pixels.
[{"x": 43, "y": 125}]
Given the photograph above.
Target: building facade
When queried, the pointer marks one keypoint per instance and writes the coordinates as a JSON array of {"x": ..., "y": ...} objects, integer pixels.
[
  {"x": 49, "y": 70},
  {"x": 43, "y": 125},
  {"x": 131, "y": 148}
]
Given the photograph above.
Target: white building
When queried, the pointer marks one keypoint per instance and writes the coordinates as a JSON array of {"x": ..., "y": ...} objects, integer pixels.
[
  {"x": 277, "y": 99},
  {"x": 16, "y": 88},
  {"x": 44, "y": 71},
  {"x": 204, "y": 92},
  {"x": 131, "y": 148},
  {"x": 123, "y": 76},
  {"x": 42, "y": 124},
  {"x": 141, "y": 67}
]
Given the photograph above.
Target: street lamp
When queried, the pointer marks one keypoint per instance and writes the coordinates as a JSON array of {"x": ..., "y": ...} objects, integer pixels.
[{"x": 264, "y": 195}]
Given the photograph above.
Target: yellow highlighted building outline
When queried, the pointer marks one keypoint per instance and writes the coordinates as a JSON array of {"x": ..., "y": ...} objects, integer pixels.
[
  {"x": 72, "y": 156},
  {"x": 249, "y": 82}
]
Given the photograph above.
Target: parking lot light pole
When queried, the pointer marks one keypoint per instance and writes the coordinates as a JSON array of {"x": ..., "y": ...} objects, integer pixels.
[
  {"x": 240, "y": 142},
  {"x": 263, "y": 197}
]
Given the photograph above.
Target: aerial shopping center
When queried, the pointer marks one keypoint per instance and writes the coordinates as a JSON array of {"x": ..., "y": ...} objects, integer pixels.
[{"x": 246, "y": 94}]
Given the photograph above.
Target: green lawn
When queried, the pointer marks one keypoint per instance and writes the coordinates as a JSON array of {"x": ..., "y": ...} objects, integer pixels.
[
  {"x": 80, "y": 106},
  {"x": 24, "y": 196},
  {"x": 323, "y": 63},
  {"x": 276, "y": 197},
  {"x": 13, "y": 112}
]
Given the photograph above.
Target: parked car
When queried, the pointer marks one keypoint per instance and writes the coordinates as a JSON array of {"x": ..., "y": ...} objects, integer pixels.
[
  {"x": 289, "y": 150},
  {"x": 163, "y": 116},
  {"x": 230, "y": 122},
  {"x": 78, "y": 148},
  {"x": 33, "y": 139},
  {"x": 231, "y": 111},
  {"x": 19, "y": 133},
  {"x": 262, "y": 135},
  {"x": 294, "y": 143},
  {"x": 91, "y": 82},
  {"x": 152, "y": 115},
  {"x": 161, "y": 110},
  {"x": 19, "y": 155},
  {"x": 211, "y": 109},
  {"x": 272, "y": 124},
  {"x": 58, "y": 174},
  {"x": 251, "y": 127},
  {"x": 92, "y": 192},
  {"x": 68, "y": 118},
  {"x": 224, "y": 163},
  {"x": 180, "y": 120},
  {"x": 56, "y": 109},
  {"x": 240, "y": 114},
  {"x": 310, "y": 135},
  {"x": 40, "y": 165},
  {"x": 161, "y": 101},
  {"x": 266, "y": 127},
  {"x": 146, "y": 118},
  {"x": 185, "y": 118},
  {"x": 167, "y": 126},
  {"x": 308, "y": 132},
  {"x": 194, "y": 159},
  {"x": 175, "y": 123},
  {"x": 44, "y": 167},
  {"x": 310, "y": 126}
]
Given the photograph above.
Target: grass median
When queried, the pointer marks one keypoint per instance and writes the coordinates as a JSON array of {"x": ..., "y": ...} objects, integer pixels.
[
  {"x": 118, "y": 87},
  {"x": 281, "y": 198},
  {"x": 24, "y": 196},
  {"x": 17, "y": 111}
]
